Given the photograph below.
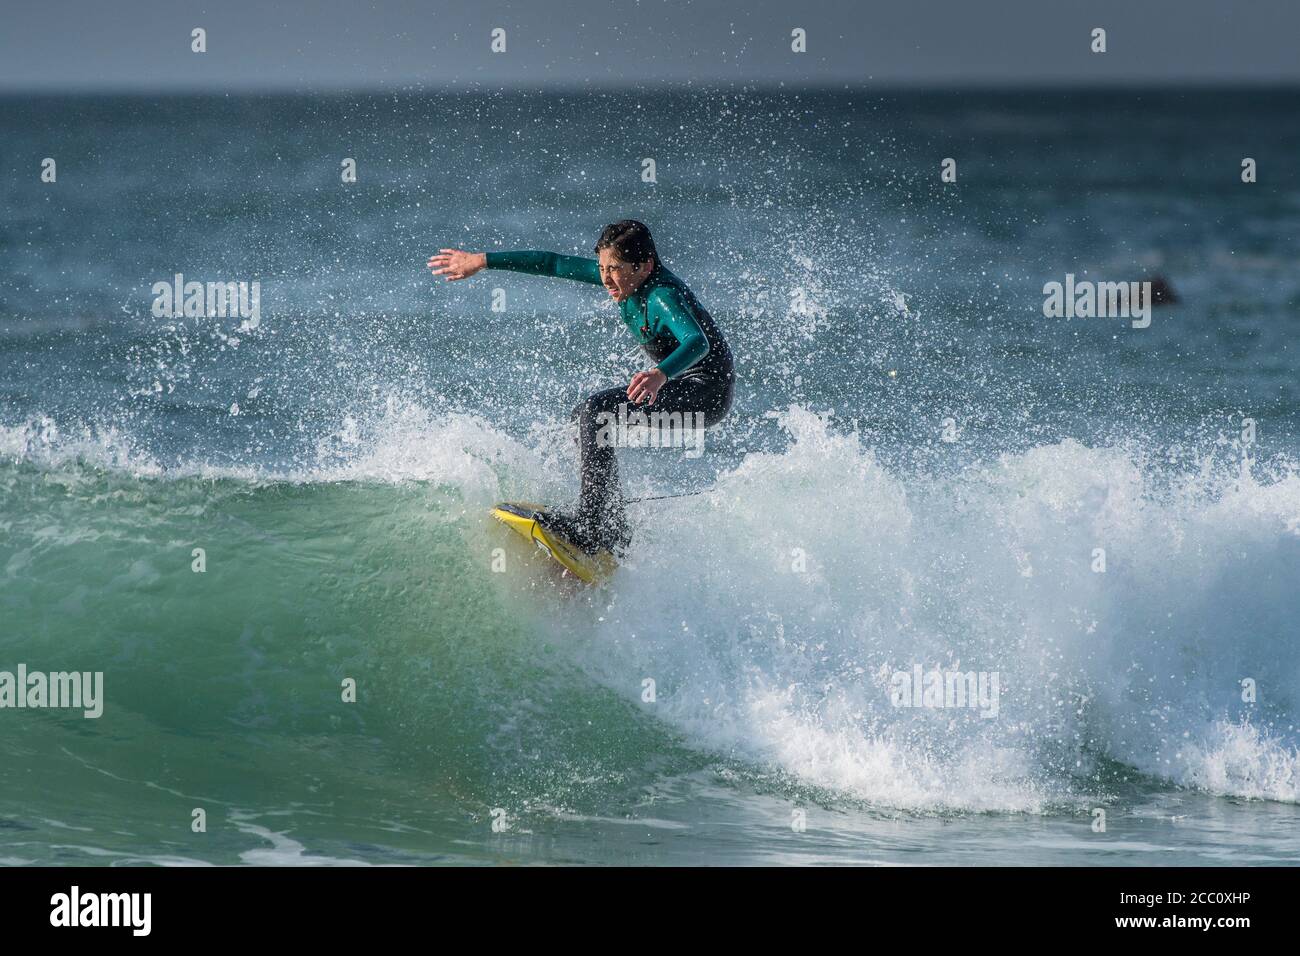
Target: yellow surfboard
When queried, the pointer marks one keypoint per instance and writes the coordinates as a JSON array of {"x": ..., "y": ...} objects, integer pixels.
[{"x": 521, "y": 517}]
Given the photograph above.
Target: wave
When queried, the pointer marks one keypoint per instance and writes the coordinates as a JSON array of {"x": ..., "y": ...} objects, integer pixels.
[{"x": 773, "y": 613}]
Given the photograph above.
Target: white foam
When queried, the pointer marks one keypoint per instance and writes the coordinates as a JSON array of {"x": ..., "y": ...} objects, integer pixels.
[{"x": 988, "y": 571}]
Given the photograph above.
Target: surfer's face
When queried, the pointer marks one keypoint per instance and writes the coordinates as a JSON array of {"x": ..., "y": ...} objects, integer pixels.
[{"x": 622, "y": 278}]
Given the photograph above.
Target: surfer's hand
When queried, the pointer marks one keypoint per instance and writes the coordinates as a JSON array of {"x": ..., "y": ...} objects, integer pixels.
[
  {"x": 457, "y": 264},
  {"x": 645, "y": 386}
]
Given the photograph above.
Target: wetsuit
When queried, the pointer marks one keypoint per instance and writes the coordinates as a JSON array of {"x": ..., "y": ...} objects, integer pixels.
[{"x": 678, "y": 335}]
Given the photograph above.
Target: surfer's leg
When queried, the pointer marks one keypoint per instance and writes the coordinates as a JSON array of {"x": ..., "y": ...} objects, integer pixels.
[
  {"x": 600, "y": 520},
  {"x": 702, "y": 400},
  {"x": 600, "y": 505}
]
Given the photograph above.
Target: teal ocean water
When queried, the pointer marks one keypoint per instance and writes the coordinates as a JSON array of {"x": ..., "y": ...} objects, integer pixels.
[{"x": 919, "y": 471}]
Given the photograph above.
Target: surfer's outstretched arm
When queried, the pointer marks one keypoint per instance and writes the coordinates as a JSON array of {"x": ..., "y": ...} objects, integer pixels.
[
  {"x": 456, "y": 264},
  {"x": 547, "y": 264}
]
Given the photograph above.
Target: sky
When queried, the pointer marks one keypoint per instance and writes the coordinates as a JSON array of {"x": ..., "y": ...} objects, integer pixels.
[{"x": 319, "y": 45}]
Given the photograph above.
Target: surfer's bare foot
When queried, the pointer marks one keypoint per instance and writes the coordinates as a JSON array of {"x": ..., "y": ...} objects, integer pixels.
[
  {"x": 569, "y": 528},
  {"x": 591, "y": 536}
]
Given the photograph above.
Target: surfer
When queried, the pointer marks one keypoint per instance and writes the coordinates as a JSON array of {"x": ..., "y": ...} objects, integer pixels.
[{"x": 693, "y": 371}]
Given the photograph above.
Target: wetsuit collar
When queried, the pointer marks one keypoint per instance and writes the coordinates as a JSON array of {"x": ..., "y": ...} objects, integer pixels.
[{"x": 651, "y": 280}]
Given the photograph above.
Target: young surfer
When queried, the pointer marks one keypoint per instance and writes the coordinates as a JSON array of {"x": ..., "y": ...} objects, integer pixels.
[{"x": 693, "y": 370}]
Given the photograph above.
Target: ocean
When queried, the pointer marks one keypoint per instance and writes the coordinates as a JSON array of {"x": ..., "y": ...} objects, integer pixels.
[{"x": 237, "y": 519}]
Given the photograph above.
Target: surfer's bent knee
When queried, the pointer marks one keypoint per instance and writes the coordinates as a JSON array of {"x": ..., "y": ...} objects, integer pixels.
[{"x": 595, "y": 403}]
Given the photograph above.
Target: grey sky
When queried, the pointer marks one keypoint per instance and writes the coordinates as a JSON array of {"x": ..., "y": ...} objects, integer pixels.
[{"x": 341, "y": 44}]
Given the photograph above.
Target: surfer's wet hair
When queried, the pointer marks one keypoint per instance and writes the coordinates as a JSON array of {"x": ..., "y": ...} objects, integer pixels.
[{"x": 630, "y": 241}]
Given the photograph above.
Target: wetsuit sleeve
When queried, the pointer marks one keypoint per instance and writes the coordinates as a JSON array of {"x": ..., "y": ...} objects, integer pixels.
[
  {"x": 547, "y": 264},
  {"x": 692, "y": 344}
]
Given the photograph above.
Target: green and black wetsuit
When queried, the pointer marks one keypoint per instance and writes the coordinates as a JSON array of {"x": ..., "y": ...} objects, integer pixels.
[{"x": 680, "y": 336}]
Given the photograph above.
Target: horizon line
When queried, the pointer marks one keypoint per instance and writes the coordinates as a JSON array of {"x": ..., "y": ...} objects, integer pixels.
[{"x": 677, "y": 86}]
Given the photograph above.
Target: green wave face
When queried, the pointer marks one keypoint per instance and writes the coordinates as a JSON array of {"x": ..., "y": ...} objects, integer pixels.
[{"x": 224, "y": 689}]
